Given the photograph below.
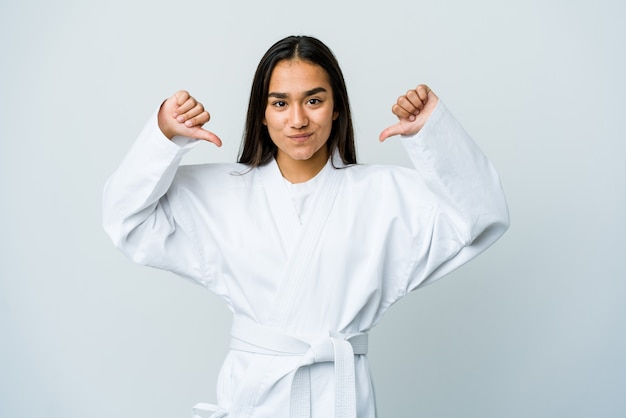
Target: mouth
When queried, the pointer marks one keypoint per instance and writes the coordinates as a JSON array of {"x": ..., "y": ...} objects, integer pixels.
[{"x": 300, "y": 137}]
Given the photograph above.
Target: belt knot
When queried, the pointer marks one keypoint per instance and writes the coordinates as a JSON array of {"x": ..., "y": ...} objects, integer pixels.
[{"x": 338, "y": 348}]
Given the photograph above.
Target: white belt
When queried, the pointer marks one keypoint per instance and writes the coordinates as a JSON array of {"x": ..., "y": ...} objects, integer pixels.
[
  {"x": 217, "y": 412},
  {"x": 338, "y": 348}
]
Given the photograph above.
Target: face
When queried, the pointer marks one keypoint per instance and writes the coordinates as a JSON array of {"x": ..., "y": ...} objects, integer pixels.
[{"x": 299, "y": 113}]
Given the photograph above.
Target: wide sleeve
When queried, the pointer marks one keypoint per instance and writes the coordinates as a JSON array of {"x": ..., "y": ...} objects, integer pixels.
[
  {"x": 138, "y": 211},
  {"x": 470, "y": 210}
]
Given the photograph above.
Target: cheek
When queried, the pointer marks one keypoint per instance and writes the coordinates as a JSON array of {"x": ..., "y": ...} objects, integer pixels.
[
  {"x": 330, "y": 120},
  {"x": 272, "y": 121}
]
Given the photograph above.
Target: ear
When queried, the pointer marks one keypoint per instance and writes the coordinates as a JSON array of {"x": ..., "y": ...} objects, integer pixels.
[
  {"x": 335, "y": 115},
  {"x": 264, "y": 122}
]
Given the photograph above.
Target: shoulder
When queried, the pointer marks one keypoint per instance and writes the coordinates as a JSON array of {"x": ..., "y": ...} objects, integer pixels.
[
  {"x": 379, "y": 174},
  {"x": 392, "y": 184},
  {"x": 212, "y": 176},
  {"x": 218, "y": 169}
]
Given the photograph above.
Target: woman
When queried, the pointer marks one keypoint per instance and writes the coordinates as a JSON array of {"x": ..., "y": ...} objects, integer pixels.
[{"x": 307, "y": 248}]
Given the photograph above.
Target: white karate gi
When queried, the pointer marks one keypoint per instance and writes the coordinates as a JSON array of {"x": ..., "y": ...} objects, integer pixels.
[{"x": 370, "y": 234}]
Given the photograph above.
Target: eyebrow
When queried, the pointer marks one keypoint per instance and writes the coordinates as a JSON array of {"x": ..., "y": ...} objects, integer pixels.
[{"x": 306, "y": 93}]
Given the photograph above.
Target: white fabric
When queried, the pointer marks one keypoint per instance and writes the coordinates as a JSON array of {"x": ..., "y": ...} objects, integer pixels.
[
  {"x": 302, "y": 195},
  {"x": 216, "y": 412},
  {"x": 235, "y": 231},
  {"x": 298, "y": 265},
  {"x": 339, "y": 349}
]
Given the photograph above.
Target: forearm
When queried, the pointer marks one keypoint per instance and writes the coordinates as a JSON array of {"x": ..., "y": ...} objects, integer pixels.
[
  {"x": 133, "y": 191},
  {"x": 458, "y": 173}
]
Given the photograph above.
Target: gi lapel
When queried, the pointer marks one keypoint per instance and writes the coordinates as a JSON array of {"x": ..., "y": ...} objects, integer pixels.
[
  {"x": 298, "y": 264},
  {"x": 289, "y": 292},
  {"x": 286, "y": 220}
]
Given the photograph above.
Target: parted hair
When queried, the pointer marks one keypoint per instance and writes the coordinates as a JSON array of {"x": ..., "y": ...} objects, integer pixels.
[{"x": 257, "y": 147}]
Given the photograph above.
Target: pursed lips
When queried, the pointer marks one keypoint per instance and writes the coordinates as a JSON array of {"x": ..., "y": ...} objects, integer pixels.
[{"x": 300, "y": 137}]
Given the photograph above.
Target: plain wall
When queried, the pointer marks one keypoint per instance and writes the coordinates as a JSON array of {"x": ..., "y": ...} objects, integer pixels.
[{"x": 535, "y": 327}]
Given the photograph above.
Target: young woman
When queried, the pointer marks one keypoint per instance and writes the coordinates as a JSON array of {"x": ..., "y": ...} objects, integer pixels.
[{"x": 307, "y": 248}]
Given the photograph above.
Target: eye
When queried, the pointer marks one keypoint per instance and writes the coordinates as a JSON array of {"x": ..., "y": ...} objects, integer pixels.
[
  {"x": 314, "y": 101},
  {"x": 279, "y": 103}
]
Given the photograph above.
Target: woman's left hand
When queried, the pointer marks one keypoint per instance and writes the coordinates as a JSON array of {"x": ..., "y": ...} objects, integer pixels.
[{"x": 412, "y": 110}]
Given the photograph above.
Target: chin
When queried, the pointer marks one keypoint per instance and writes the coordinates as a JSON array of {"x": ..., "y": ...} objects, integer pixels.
[
  {"x": 306, "y": 157},
  {"x": 302, "y": 156}
]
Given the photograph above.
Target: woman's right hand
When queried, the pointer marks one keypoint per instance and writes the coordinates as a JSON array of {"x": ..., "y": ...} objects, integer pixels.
[{"x": 182, "y": 115}]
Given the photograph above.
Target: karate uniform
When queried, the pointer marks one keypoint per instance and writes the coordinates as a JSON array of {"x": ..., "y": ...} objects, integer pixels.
[{"x": 306, "y": 269}]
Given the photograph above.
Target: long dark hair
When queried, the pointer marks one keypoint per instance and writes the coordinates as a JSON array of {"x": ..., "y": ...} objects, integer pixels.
[{"x": 257, "y": 147}]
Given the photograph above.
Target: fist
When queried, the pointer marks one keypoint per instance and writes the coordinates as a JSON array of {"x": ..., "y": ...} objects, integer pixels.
[
  {"x": 412, "y": 109},
  {"x": 183, "y": 115}
]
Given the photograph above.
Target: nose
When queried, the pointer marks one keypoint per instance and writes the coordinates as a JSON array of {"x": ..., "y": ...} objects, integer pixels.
[{"x": 298, "y": 117}]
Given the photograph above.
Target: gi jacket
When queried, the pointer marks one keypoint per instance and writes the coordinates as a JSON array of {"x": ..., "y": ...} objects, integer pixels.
[{"x": 304, "y": 292}]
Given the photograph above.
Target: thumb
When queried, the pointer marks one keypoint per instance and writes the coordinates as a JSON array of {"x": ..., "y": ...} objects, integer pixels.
[
  {"x": 391, "y": 131},
  {"x": 208, "y": 136}
]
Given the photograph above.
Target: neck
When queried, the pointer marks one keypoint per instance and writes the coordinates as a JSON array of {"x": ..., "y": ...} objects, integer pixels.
[{"x": 299, "y": 171}]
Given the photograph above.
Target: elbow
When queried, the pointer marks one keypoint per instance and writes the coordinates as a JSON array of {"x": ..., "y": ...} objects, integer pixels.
[
  {"x": 492, "y": 228},
  {"x": 502, "y": 218},
  {"x": 118, "y": 229},
  {"x": 114, "y": 231},
  {"x": 123, "y": 241}
]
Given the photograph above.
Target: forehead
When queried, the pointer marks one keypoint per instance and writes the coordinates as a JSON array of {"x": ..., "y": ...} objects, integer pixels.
[{"x": 296, "y": 76}]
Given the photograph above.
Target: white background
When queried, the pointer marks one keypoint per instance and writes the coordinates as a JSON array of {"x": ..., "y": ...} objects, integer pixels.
[{"x": 535, "y": 327}]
